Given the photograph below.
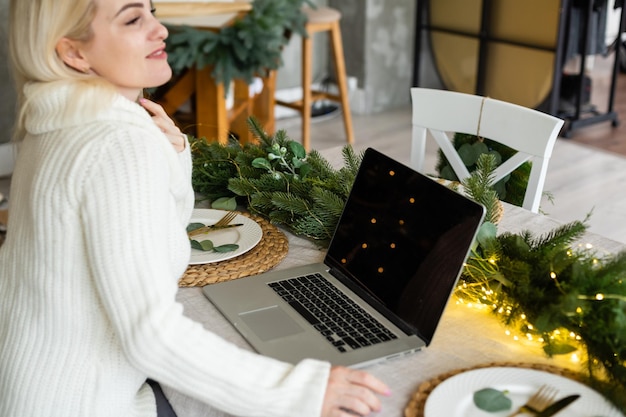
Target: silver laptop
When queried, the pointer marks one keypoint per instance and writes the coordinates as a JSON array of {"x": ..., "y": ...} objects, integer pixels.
[{"x": 392, "y": 264}]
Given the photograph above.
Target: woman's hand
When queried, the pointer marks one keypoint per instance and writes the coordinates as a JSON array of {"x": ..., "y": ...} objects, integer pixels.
[
  {"x": 165, "y": 123},
  {"x": 351, "y": 391}
]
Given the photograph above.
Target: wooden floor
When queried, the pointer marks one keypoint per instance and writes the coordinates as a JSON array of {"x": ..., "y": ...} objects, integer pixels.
[{"x": 604, "y": 135}]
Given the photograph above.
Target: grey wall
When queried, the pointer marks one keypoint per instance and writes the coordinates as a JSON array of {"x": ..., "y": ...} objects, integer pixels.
[
  {"x": 7, "y": 92},
  {"x": 388, "y": 46},
  {"x": 289, "y": 75},
  {"x": 378, "y": 38}
]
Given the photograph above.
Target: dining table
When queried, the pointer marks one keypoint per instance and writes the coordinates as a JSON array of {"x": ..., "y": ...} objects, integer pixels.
[{"x": 466, "y": 337}]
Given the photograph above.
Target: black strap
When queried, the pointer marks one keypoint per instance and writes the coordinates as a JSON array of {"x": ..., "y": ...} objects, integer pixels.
[{"x": 164, "y": 408}]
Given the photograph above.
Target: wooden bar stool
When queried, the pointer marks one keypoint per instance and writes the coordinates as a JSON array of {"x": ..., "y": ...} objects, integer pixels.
[{"x": 321, "y": 19}]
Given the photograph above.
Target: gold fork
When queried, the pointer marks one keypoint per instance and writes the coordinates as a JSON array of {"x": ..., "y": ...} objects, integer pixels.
[
  {"x": 228, "y": 217},
  {"x": 224, "y": 221},
  {"x": 538, "y": 401}
]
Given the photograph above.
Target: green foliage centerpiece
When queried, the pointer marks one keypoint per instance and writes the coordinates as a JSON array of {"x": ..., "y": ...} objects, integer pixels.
[
  {"x": 278, "y": 180},
  {"x": 565, "y": 299}
]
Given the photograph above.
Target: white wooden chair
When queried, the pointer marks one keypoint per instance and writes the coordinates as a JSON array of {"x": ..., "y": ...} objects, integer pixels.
[{"x": 530, "y": 132}]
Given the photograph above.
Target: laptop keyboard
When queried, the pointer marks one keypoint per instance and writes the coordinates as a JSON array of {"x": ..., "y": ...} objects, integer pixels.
[{"x": 345, "y": 324}]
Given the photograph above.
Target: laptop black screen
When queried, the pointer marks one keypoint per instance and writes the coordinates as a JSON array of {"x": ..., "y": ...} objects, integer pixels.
[{"x": 404, "y": 238}]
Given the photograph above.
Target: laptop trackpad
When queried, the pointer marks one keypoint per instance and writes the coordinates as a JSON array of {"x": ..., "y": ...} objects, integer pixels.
[{"x": 270, "y": 323}]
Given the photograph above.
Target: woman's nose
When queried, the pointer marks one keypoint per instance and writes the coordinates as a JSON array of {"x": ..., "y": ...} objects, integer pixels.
[{"x": 160, "y": 31}]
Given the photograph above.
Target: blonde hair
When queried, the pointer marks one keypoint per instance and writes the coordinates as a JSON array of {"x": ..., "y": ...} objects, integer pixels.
[{"x": 35, "y": 27}]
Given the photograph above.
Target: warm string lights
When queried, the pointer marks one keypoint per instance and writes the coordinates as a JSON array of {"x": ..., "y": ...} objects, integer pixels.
[
  {"x": 483, "y": 292},
  {"x": 523, "y": 331}
]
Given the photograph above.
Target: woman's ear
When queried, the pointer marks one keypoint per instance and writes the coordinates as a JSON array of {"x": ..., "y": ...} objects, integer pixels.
[{"x": 69, "y": 52}]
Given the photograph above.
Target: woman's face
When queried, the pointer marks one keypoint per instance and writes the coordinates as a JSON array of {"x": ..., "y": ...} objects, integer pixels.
[{"x": 127, "y": 47}]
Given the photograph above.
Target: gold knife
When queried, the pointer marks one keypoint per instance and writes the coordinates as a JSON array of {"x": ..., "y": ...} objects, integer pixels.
[
  {"x": 211, "y": 228},
  {"x": 558, "y": 406}
]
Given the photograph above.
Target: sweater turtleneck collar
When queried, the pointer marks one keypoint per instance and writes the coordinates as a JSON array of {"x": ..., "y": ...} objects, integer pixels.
[{"x": 63, "y": 104}]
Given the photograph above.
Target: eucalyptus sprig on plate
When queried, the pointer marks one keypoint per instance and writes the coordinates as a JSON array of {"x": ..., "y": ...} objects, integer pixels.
[
  {"x": 207, "y": 244},
  {"x": 492, "y": 400}
]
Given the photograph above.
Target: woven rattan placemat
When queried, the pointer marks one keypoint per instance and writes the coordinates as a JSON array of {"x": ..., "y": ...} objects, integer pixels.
[
  {"x": 264, "y": 256},
  {"x": 415, "y": 407}
]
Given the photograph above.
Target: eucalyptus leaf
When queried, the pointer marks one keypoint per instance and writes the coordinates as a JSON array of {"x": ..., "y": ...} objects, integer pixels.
[
  {"x": 480, "y": 147},
  {"x": 229, "y": 247},
  {"x": 225, "y": 203},
  {"x": 193, "y": 226},
  {"x": 468, "y": 154},
  {"x": 500, "y": 188},
  {"x": 205, "y": 245},
  {"x": 559, "y": 349},
  {"x": 297, "y": 149},
  {"x": 486, "y": 234},
  {"x": 492, "y": 400},
  {"x": 448, "y": 173},
  {"x": 496, "y": 155},
  {"x": 297, "y": 163},
  {"x": 261, "y": 163}
]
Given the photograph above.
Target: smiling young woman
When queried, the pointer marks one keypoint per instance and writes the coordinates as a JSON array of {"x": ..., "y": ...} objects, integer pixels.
[
  {"x": 128, "y": 51},
  {"x": 100, "y": 198}
]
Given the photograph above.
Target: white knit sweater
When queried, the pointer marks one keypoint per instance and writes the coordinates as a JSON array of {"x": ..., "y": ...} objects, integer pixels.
[{"x": 88, "y": 277}]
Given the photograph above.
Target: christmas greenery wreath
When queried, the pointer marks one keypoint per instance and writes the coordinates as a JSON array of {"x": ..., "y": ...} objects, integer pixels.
[
  {"x": 250, "y": 47},
  {"x": 511, "y": 188}
]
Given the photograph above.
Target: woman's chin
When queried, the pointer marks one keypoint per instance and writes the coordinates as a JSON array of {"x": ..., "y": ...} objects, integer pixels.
[{"x": 162, "y": 79}]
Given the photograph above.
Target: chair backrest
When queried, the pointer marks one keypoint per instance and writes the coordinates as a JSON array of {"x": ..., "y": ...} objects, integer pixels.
[{"x": 530, "y": 132}]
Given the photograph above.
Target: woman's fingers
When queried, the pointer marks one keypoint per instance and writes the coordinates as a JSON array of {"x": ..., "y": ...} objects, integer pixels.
[
  {"x": 165, "y": 123},
  {"x": 354, "y": 391}
]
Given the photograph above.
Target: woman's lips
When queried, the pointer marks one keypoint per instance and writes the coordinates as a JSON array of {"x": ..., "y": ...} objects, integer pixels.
[{"x": 158, "y": 54}]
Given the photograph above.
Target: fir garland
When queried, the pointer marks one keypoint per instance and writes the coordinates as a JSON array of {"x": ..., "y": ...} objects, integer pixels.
[
  {"x": 569, "y": 299},
  {"x": 539, "y": 285},
  {"x": 278, "y": 180},
  {"x": 250, "y": 47}
]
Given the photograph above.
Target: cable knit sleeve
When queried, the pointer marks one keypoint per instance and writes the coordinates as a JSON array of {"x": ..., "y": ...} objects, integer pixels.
[
  {"x": 136, "y": 241},
  {"x": 185, "y": 158}
]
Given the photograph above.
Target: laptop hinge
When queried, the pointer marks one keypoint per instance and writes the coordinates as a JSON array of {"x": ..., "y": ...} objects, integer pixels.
[{"x": 371, "y": 300}]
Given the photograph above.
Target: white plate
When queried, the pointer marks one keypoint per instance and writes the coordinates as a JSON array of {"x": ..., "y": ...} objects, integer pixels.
[
  {"x": 246, "y": 236},
  {"x": 454, "y": 396}
]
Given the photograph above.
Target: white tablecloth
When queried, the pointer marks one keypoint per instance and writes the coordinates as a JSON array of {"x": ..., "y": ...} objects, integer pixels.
[{"x": 464, "y": 338}]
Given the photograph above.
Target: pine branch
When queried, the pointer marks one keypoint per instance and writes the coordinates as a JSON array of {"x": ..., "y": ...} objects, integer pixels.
[
  {"x": 478, "y": 186},
  {"x": 258, "y": 131},
  {"x": 351, "y": 160},
  {"x": 560, "y": 237}
]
